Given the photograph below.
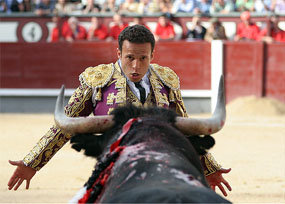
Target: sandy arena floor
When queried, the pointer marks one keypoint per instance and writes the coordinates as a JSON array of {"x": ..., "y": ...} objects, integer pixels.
[{"x": 254, "y": 147}]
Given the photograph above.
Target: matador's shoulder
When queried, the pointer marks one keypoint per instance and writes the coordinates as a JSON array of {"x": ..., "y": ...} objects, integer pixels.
[
  {"x": 97, "y": 77},
  {"x": 167, "y": 76}
]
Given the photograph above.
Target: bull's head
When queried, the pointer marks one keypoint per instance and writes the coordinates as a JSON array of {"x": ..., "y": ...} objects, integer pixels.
[{"x": 99, "y": 124}]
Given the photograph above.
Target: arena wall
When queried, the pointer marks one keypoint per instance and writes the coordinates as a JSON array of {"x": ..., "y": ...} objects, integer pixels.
[
  {"x": 40, "y": 68},
  {"x": 250, "y": 68}
]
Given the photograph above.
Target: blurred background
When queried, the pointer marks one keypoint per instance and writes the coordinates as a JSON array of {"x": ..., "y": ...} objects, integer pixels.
[{"x": 47, "y": 43}]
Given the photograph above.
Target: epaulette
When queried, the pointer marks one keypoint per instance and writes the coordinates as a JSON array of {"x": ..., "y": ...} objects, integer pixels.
[
  {"x": 167, "y": 76},
  {"x": 97, "y": 77}
]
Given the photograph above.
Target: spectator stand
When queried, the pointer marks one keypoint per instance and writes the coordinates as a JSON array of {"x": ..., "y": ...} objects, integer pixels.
[{"x": 28, "y": 27}]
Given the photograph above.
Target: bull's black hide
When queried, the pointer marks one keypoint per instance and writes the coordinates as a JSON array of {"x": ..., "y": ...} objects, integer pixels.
[{"x": 158, "y": 165}]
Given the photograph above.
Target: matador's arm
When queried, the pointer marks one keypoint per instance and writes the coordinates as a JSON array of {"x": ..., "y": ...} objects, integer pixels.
[
  {"x": 209, "y": 164},
  {"x": 80, "y": 104}
]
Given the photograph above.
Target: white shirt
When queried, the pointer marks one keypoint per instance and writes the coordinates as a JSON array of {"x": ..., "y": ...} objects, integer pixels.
[{"x": 144, "y": 82}]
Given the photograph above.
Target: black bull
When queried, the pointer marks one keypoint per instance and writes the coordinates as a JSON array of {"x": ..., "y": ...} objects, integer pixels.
[{"x": 147, "y": 161}]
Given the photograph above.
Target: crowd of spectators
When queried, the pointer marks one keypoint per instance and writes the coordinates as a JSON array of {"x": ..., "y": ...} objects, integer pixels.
[
  {"x": 71, "y": 30},
  {"x": 248, "y": 30},
  {"x": 42, "y": 7}
]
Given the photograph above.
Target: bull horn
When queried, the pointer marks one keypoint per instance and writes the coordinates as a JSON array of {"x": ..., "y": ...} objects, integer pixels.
[
  {"x": 96, "y": 124},
  {"x": 191, "y": 126}
]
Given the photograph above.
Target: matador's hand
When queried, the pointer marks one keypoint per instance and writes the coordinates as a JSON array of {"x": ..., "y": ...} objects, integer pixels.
[
  {"x": 216, "y": 179},
  {"x": 21, "y": 173}
]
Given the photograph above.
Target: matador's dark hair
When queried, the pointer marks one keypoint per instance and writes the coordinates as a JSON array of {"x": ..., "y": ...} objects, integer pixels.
[{"x": 136, "y": 34}]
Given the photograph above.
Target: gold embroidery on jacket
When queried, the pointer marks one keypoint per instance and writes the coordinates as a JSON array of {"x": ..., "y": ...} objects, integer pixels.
[
  {"x": 111, "y": 82},
  {"x": 77, "y": 102},
  {"x": 167, "y": 76},
  {"x": 163, "y": 99},
  {"x": 117, "y": 67},
  {"x": 156, "y": 84},
  {"x": 171, "y": 96},
  {"x": 211, "y": 164},
  {"x": 150, "y": 100},
  {"x": 132, "y": 98},
  {"x": 97, "y": 77},
  {"x": 120, "y": 85},
  {"x": 110, "y": 110},
  {"x": 54, "y": 139},
  {"x": 180, "y": 107},
  {"x": 120, "y": 82},
  {"x": 98, "y": 96},
  {"x": 121, "y": 96},
  {"x": 161, "y": 76},
  {"x": 48, "y": 145},
  {"x": 110, "y": 98}
]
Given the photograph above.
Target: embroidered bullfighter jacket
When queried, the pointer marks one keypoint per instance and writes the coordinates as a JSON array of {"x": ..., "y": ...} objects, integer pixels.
[{"x": 103, "y": 88}]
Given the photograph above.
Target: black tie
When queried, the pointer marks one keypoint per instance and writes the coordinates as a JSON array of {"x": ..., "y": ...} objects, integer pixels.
[{"x": 142, "y": 91}]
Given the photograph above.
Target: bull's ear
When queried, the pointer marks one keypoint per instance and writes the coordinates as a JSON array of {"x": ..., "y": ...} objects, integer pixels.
[
  {"x": 202, "y": 143},
  {"x": 91, "y": 144}
]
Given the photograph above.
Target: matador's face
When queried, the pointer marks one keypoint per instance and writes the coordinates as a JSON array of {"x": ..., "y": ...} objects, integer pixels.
[{"x": 135, "y": 59}]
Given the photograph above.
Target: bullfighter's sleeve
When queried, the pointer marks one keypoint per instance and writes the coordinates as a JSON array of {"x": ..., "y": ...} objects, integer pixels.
[
  {"x": 209, "y": 164},
  {"x": 176, "y": 103},
  {"x": 171, "y": 80},
  {"x": 80, "y": 104}
]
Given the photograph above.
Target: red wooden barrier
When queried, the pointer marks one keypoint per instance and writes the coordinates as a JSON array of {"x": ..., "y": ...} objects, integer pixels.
[
  {"x": 275, "y": 71},
  {"x": 243, "y": 65},
  {"x": 48, "y": 65},
  {"x": 190, "y": 60},
  {"x": 251, "y": 68}
]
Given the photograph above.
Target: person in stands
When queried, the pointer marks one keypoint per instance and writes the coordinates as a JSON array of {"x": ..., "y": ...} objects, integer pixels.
[
  {"x": 97, "y": 30},
  {"x": 117, "y": 26},
  {"x": 74, "y": 30},
  {"x": 164, "y": 29},
  {"x": 196, "y": 31},
  {"x": 247, "y": 30},
  {"x": 9, "y": 6},
  {"x": 216, "y": 31},
  {"x": 138, "y": 20},
  {"x": 56, "y": 33},
  {"x": 45, "y": 7},
  {"x": 274, "y": 33}
]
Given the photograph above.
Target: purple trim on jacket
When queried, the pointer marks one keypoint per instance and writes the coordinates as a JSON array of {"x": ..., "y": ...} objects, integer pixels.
[{"x": 102, "y": 107}]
